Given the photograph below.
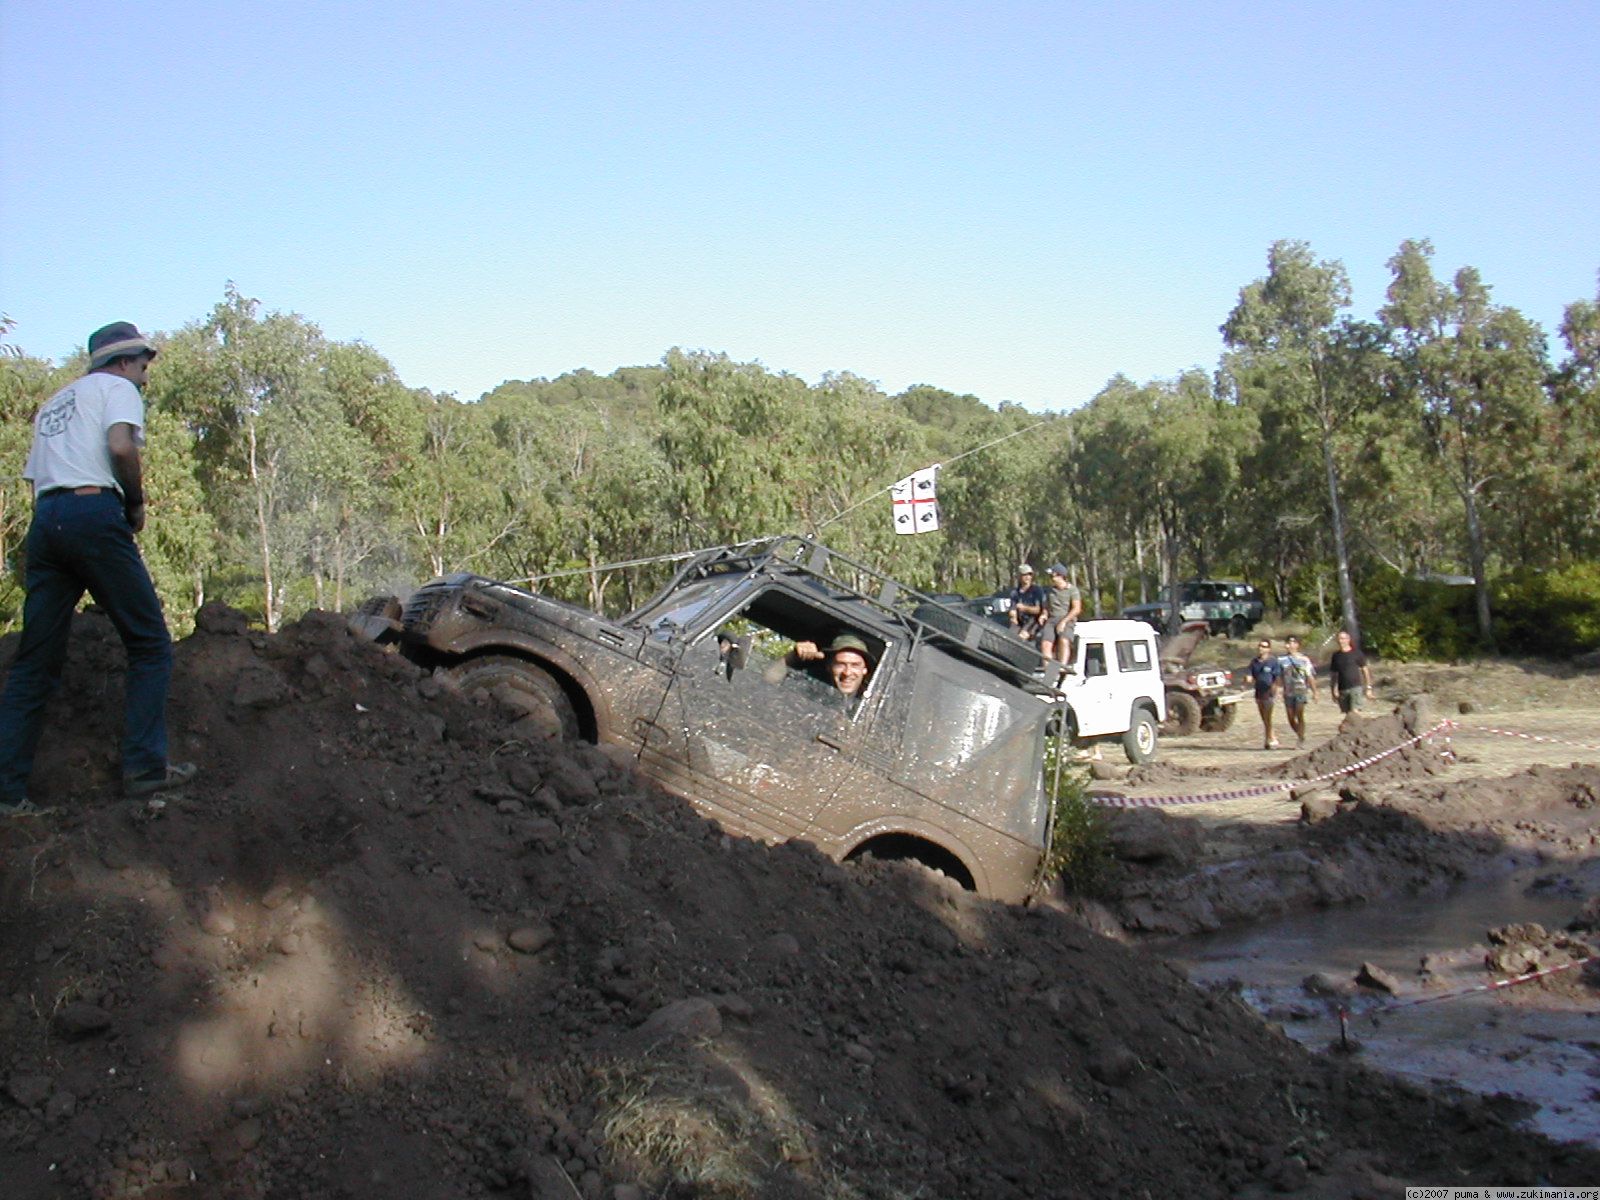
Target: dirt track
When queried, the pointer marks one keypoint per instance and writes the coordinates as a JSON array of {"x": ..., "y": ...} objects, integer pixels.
[{"x": 382, "y": 950}]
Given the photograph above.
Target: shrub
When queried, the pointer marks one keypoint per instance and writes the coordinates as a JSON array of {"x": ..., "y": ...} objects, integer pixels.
[
  {"x": 1404, "y": 618},
  {"x": 1080, "y": 843},
  {"x": 1553, "y": 613}
]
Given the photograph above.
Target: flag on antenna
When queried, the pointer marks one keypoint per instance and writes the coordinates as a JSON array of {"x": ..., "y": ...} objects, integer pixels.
[{"x": 916, "y": 502}]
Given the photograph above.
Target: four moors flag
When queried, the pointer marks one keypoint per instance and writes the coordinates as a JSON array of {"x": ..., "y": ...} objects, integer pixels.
[{"x": 916, "y": 502}]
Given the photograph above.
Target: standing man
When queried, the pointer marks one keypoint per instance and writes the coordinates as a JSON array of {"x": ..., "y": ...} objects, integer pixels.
[
  {"x": 1062, "y": 604},
  {"x": 1265, "y": 670},
  {"x": 1027, "y": 604},
  {"x": 1299, "y": 687},
  {"x": 88, "y": 503},
  {"x": 1348, "y": 674}
]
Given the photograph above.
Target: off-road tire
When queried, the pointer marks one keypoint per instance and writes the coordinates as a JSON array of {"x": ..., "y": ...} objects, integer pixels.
[
  {"x": 526, "y": 685},
  {"x": 1218, "y": 718},
  {"x": 1183, "y": 715},
  {"x": 986, "y": 635},
  {"x": 1139, "y": 743},
  {"x": 1238, "y": 627}
]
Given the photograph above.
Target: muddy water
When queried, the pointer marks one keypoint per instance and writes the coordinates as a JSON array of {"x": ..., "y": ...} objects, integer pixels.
[{"x": 1525, "y": 1041}]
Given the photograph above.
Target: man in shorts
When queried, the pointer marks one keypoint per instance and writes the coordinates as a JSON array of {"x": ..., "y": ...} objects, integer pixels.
[
  {"x": 1299, "y": 687},
  {"x": 1062, "y": 604},
  {"x": 1027, "y": 604},
  {"x": 1265, "y": 669},
  {"x": 1349, "y": 677}
]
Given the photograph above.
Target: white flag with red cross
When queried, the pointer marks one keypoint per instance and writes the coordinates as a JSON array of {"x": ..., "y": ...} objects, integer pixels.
[{"x": 916, "y": 502}]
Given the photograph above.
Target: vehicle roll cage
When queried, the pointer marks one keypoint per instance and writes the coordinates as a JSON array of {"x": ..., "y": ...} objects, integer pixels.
[{"x": 899, "y": 605}]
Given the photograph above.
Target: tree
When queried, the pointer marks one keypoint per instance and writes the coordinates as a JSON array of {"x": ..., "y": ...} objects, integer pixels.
[
  {"x": 1474, "y": 371},
  {"x": 1324, "y": 365}
]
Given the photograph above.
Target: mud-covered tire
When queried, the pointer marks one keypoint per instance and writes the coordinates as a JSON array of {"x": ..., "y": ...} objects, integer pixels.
[
  {"x": 965, "y": 633},
  {"x": 1140, "y": 741},
  {"x": 1238, "y": 627},
  {"x": 1218, "y": 718},
  {"x": 523, "y": 686},
  {"x": 1183, "y": 715}
]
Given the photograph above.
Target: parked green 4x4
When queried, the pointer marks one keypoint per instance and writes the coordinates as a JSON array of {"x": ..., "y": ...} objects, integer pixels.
[{"x": 1225, "y": 605}]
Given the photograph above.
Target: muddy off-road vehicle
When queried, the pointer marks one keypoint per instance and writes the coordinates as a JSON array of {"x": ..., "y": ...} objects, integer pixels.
[
  {"x": 1198, "y": 697},
  {"x": 938, "y": 758}
]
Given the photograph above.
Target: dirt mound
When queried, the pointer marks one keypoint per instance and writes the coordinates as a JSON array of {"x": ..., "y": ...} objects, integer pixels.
[{"x": 382, "y": 948}]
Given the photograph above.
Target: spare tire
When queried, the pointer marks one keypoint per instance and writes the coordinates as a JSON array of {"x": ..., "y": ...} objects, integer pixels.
[{"x": 967, "y": 633}]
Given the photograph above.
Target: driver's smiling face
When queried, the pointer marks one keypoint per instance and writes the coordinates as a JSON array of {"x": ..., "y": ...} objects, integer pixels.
[{"x": 848, "y": 668}]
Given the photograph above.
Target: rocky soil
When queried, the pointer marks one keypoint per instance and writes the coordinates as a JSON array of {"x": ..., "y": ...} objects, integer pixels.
[{"x": 384, "y": 947}]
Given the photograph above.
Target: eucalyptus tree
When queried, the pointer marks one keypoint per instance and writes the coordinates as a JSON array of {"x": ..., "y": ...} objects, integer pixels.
[
  {"x": 25, "y": 383},
  {"x": 732, "y": 435},
  {"x": 1474, "y": 371},
  {"x": 1325, "y": 367},
  {"x": 1576, "y": 389}
]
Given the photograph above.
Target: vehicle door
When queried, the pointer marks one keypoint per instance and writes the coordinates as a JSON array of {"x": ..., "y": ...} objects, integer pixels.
[
  {"x": 1090, "y": 689},
  {"x": 758, "y": 744}
]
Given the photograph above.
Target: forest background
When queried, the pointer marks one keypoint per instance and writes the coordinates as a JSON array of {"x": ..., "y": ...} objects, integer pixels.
[{"x": 1346, "y": 465}]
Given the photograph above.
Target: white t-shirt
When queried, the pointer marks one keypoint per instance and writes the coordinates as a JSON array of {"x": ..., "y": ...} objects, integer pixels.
[{"x": 69, "y": 434}]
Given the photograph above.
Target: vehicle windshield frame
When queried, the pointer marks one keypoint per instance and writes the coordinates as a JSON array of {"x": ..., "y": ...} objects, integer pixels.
[{"x": 685, "y": 608}]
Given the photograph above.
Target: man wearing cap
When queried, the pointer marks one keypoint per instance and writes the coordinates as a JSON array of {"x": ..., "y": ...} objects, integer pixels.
[
  {"x": 849, "y": 663},
  {"x": 1062, "y": 604},
  {"x": 88, "y": 503},
  {"x": 1027, "y": 603}
]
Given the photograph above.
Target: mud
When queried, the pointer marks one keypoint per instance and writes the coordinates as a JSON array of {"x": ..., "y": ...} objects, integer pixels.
[{"x": 384, "y": 947}]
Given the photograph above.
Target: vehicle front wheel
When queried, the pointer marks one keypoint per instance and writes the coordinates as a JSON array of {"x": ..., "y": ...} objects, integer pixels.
[
  {"x": 1183, "y": 715},
  {"x": 1238, "y": 627},
  {"x": 523, "y": 687},
  {"x": 1139, "y": 743}
]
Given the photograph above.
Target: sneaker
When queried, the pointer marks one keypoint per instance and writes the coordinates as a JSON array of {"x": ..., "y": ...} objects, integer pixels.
[
  {"x": 1271, "y": 745},
  {"x": 162, "y": 779},
  {"x": 1300, "y": 744}
]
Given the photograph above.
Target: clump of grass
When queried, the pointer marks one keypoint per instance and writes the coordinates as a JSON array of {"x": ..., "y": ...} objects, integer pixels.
[{"x": 669, "y": 1128}]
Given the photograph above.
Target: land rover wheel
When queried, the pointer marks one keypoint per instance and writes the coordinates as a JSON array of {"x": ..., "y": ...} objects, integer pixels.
[
  {"x": 523, "y": 687},
  {"x": 1239, "y": 626},
  {"x": 1139, "y": 743},
  {"x": 1183, "y": 715},
  {"x": 1218, "y": 717}
]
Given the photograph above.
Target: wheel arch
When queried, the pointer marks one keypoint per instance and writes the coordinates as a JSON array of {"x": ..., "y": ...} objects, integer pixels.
[
  {"x": 555, "y": 664},
  {"x": 907, "y": 839}
]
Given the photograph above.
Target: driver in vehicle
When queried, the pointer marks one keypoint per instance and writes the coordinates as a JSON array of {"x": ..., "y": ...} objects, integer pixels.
[{"x": 849, "y": 663}]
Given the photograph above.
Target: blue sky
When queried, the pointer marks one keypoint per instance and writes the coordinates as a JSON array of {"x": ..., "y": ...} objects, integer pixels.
[{"x": 1014, "y": 200}]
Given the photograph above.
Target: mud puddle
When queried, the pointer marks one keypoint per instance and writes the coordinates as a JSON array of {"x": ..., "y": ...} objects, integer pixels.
[{"x": 1537, "y": 1043}]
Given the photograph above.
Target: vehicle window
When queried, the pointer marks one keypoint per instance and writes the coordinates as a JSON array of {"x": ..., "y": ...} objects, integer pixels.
[
  {"x": 1094, "y": 660},
  {"x": 685, "y": 605},
  {"x": 1134, "y": 655},
  {"x": 753, "y": 645}
]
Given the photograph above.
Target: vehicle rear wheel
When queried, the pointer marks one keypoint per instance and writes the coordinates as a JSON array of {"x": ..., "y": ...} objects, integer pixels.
[
  {"x": 1183, "y": 715},
  {"x": 1218, "y": 717},
  {"x": 1139, "y": 743},
  {"x": 521, "y": 686}
]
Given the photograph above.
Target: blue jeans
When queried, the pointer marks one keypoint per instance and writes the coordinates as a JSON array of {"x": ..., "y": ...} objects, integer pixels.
[{"x": 78, "y": 544}]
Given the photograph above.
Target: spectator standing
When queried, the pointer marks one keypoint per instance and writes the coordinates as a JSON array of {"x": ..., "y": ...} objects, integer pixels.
[
  {"x": 1062, "y": 604},
  {"x": 1027, "y": 604},
  {"x": 1349, "y": 677},
  {"x": 1265, "y": 670},
  {"x": 88, "y": 503},
  {"x": 1299, "y": 687}
]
